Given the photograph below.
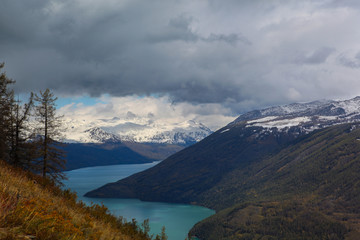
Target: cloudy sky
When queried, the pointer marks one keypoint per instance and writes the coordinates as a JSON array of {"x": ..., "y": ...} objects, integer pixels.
[{"x": 208, "y": 58}]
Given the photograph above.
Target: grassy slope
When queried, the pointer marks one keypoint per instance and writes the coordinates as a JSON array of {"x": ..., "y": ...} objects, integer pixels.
[
  {"x": 28, "y": 210},
  {"x": 310, "y": 190}
]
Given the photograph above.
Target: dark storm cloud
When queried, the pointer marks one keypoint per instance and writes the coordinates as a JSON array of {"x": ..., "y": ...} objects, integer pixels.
[{"x": 243, "y": 54}]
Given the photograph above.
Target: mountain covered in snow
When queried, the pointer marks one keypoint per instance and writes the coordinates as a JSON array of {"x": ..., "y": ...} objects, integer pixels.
[
  {"x": 301, "y": 118},
  {"x": 135, "y": 129}
]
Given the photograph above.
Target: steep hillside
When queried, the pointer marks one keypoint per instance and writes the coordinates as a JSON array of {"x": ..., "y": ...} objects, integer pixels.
[
  {"x": 33, "y": 209},
  {"x": 309, "y": 190}
]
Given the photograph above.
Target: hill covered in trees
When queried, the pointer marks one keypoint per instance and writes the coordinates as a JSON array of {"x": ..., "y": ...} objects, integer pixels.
[{"x": 309, "y": 190}]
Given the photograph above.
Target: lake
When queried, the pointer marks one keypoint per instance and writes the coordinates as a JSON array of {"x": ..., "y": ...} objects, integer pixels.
[{"x": 178, "y": 219}]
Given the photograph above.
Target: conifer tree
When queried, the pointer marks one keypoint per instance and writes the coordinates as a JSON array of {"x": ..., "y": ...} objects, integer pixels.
[
  {"x": 20, "y": 146},
  {"x": 51, "y": 156},
  {"x": 6, "y": 100}
]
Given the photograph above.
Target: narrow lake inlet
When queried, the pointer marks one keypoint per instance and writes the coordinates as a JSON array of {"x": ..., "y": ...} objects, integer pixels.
[{"x": 177, "y": 218}]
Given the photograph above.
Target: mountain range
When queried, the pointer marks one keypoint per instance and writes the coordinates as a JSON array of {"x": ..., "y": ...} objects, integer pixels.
[
  {"x": 127, "y": 140},
  {"x": 256, "y": 170},
  {"x": 134, "y": 129}
]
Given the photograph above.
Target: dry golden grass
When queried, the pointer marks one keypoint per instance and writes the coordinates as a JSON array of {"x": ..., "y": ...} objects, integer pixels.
[{"x": 31, "y": 208}]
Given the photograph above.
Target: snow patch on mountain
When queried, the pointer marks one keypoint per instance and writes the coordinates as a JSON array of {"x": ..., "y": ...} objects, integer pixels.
[
  {"x": 262, "y": 120},
  {"x": 280, "y": 124},
  {"x": 303, "y": 117}
]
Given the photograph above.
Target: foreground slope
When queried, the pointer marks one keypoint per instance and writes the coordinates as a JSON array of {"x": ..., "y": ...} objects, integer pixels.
[{"x": 33, "y": 209}]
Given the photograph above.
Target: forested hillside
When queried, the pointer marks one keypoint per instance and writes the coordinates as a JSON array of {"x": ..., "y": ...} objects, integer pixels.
[{"x": 307, "y": 191}]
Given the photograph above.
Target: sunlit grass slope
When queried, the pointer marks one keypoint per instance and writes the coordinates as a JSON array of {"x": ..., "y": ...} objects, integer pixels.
[{"x": 33, "y": 209}]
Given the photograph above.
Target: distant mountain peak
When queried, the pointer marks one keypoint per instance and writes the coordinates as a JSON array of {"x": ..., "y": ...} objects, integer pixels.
[
  {"x": 304, "y": 116},
  {"x": 99, "y": 135},
  {"x": 135, "y": 129}
]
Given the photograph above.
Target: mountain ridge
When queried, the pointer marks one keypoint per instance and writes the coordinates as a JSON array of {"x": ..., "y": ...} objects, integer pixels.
[
  {"x": 123, "y": 141},
  {"x": 140, "y": 130},
  {"x": 81, "y": 155}
]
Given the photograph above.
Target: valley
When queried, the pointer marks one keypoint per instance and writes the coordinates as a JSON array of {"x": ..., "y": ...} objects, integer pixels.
[
  {"x": 307, "y": 157},
  {"x": 219, "y": 120},
  {"x": 178, "y": 219}
]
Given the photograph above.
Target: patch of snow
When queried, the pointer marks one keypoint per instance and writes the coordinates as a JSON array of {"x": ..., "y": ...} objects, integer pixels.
[
  {"x": 265, "y": 119},
  {"x": 328, "y": 118},
  {"x": 284, "y": 123},
  {"x": 226, "y": 130},
  {"x": 350, "y": 106}
]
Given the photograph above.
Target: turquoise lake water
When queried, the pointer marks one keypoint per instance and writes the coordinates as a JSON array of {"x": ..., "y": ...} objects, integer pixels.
[{"x": 177, "y": 218}]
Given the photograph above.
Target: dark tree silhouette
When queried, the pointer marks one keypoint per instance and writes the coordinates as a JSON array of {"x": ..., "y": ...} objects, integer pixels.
[
  {"x": 6, "y": 100},
  {"x": 51, "y": 156},
  {"x": 20, "y": 132}
]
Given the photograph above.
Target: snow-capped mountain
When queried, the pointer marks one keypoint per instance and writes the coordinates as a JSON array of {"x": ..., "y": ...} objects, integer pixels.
[
  {"x": 142, "y": 130},
  {"x": 302, "y": 117}
]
